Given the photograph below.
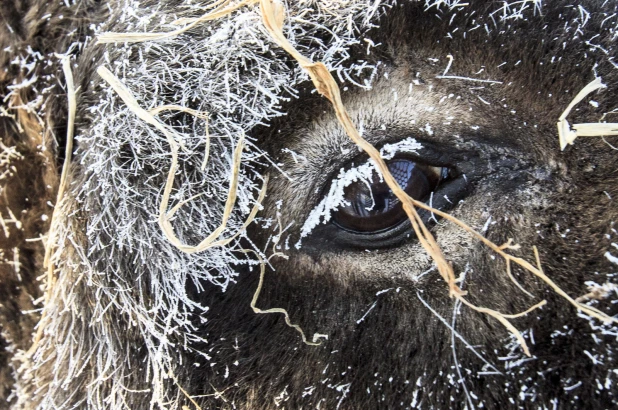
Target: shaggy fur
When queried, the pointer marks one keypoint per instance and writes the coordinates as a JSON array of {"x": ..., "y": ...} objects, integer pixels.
[
  {"x": 385, "y": 347},
  {"x": 32, "y": 124}
]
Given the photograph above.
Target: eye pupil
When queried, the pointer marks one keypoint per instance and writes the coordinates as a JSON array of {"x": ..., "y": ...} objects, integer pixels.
[{"x": 371, "y": 206}]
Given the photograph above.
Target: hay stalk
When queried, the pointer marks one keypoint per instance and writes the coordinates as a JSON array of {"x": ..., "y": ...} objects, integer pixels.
[
  {"x": 172, "y": 136},
  {"x": 222, "y": 8},
  {"x": 567, "y": 135},
  {"x": 48, "y": 263}
]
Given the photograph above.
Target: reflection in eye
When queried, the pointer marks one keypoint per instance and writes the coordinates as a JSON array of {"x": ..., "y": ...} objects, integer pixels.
[{"x": 371, "y": 206}]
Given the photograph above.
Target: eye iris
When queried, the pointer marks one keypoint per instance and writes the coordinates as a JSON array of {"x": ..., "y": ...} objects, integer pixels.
[{"x": 372, "y": 206}]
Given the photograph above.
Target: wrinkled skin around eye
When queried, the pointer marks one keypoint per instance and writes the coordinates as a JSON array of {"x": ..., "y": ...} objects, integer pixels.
[{"x": 372, "y": 207}]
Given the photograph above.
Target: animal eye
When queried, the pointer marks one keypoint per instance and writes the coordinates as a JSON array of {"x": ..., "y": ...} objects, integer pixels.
[{"x": 371, "y": 206}]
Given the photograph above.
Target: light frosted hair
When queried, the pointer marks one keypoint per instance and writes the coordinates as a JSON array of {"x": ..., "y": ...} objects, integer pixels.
[{"x": 114, "y": 267}]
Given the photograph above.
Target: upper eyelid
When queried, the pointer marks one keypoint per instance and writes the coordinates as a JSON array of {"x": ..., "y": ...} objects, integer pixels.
[
  {"x": 327, "y": 158},
  {"x": 427, "y": 149},
  {"x": 361, "y": 158}
]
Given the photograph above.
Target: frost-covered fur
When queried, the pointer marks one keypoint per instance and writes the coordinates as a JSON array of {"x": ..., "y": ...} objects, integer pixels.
[{"x": 133, "y": 322}]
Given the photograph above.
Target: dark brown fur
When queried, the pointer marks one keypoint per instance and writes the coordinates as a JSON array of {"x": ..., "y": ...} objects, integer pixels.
[{"x": 518, "y": 175}]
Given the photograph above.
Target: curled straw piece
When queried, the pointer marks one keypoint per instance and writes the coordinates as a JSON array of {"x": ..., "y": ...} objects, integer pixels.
[
  {"x": 195, "y": 113},
  {"x": 164, "y": 215},
  {"x": 567, "y": 135},
  {"x": 273, "y": 17},
  {"x": 315, "y": 341}
]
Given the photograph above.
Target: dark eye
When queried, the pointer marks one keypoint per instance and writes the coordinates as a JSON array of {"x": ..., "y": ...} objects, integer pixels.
[{"x": 371, "y": 206}]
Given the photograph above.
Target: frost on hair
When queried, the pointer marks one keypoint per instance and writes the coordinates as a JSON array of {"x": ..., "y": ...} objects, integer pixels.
[{"x": 228, "y": 68}]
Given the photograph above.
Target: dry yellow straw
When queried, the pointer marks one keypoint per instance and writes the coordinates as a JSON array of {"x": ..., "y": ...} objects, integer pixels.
[
  {"x": 68, "y": 152},
  {"x": 164, "y": 215},
  {"x": 222, "y": 8},
  {"x": 195, "y": 113},
  {"x": 315, "y": 341},
  {"x": 51, "y": 238},
  {"x": 567, "y": 135}
]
